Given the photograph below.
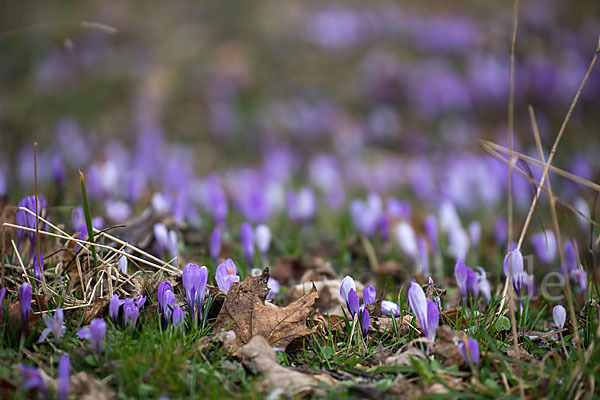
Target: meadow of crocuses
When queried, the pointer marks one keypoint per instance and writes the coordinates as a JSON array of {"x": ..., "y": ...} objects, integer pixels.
[{"x": 174, "y": 178}]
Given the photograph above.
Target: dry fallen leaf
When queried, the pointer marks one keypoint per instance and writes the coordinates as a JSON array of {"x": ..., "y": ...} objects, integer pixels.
[
  {"x": 259, "y": 357},
  {"x": 404, "y": 357},
  {"x": 446, "y": 346},
  {"x": 86, "y": 387},
  {"x": 245, "y": 312},
  {"x": 96, "y": 310}
]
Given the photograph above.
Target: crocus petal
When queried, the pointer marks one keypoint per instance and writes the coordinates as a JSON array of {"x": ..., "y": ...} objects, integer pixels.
[
  {"x": 273, "y": 286},
  {"x": 364, "y": 321},
  {"x": 64, "y": 371},
  {"x": 215, "y": 244},
  {"x": 262, "y": 235},
  {"x": 418, "y": 304},
  {"x": 462, "y": 275},
  {"x": 513, "y": 263},
  {"x": 469, "y": 351},
  {"x": 352, "y": 302},
  {"x": 122, "y": 265},
  {"x": 390, "y": 308},
  {"x": 433, "y": 318},
  {"x": 345, "y": 287},
  {"x": 369, "y": 295},
  {"x": 560, "y": 315}
]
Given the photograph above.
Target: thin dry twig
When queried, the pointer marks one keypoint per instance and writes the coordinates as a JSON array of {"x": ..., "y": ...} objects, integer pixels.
[{"x": 561, "y": 253}]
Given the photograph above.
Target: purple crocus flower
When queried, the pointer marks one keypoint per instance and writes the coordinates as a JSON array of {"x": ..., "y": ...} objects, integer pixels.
[
  {"x": 33, "y": 380},
  {"x": 571, "y": 252},
  {"x": 369, "y": 295},
  {"x": 431, "y": 229},
  {"x": 2, "y": 293},
  {"x": 194, "y": 282},
  {"x": 64, "y": 373},
  {"x": 162, "y": 288},
  {"x": 405, "y": 235},
  {"x": 178, "y": 317},
  {"x": 247, "y": 238},
  {"x": 273, "y": 286},
  {"x": 461, "y": 273},
  {"x": 364, "y": 321},
  {"x": 559, "y": 314},
  {"x": 25, "y": 219},
  {"x": 302, "y": 205},
  {"x": 54, "y": 325},
  {"x": 262, "y": 235},
  {"x": 580, "y": 276},
  {"x": 95, "y": 333},
  {"x": 169, "y": 304},
  {"x": 166, "y": 240},
  {"x": 390, "y": 308},
  {"x": 469, "y": 350},
  {"x": 226, "y": 274},
  {"x": 475, "y": 233},
  {"x": 500, "y": 231},
  {"x": 25, "y": 303},
  {"x": 215, "y": 244},
  {"x": 352, "y": 302},
  {"x": 426, "y": 311},
  {"x": 472, "y": 281},
  {"x": 346, "y": 286},
  {"x": 131, "y": 310},
  {"x": 366, "y": 215},
  {"x": 423, "y": 255},
  {"x": 544, "y": 244},
  {"x": 122, "y": 264},
  {"x": 113, "y": 307},
  {"x": 513, "y": 264},
  {"x": 38, "y": 265},
  {"x": 484, "y": 285}
]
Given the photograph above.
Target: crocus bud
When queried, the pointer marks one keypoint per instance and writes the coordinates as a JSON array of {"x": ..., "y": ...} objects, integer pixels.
[
  {"x": 122, "y": 265},
  {"x": 364, "y": 321},
  {"x": 38, "y": 265},
  {"x": 353, "y": 304},
  {"x": 369, "y": 295},
  {"x": 169, "y": 304},
  {"x": 25, "y": 303},
  {"x": 461, "y": 274},
  {"x": 544, "y": 244},
  {"x": 263, "y": 238},
  {"x": 405, "y": 235},
  {"x": 427, "y": 312},
  {"x": 64, "y": 372},
  {"x": 347, "y": 285},
  {"x": 25, "y": 219},
  {"x": 215, "y": 244},
  {"x": 113, "y": 307},
  {"x": 560, "y": 315},
  {"x": 390, "y": 308},
  {"x": 469, "y": 350},
  {"x": 2, "y": 293},
  {"x": 162, "y": 288},
  {"x": 246, "y": 235}
]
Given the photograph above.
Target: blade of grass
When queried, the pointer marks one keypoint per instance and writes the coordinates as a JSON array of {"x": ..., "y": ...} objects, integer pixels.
[{"x": 88, "y": 218}]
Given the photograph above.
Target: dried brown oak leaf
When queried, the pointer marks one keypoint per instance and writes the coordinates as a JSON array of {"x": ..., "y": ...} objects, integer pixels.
[{"x": 245, "y": 312}]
